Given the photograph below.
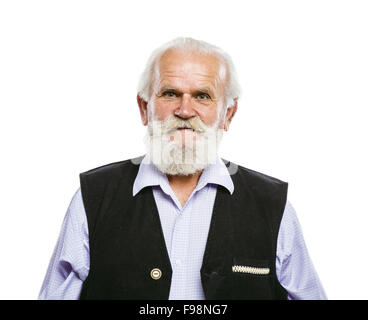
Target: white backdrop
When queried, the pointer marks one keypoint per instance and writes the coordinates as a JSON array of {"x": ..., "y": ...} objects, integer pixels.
[{"x": 68, "y": 78}]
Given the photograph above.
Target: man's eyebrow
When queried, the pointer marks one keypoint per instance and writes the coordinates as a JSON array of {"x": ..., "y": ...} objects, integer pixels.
[
  {"x": 167, "y": 88},
  {"x": 204, "y": 90}
]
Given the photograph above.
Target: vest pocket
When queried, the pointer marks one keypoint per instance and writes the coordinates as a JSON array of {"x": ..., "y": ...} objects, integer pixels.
[
  {"x": 255, "y": 267},
  {"x": 251, "y": 279}
]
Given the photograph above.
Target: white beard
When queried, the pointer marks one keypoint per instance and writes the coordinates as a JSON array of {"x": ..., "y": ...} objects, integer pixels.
[{"x": 173, "y": 156}]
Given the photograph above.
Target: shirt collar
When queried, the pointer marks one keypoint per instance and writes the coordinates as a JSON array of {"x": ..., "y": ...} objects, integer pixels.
[{"x": 149, "y": 175}]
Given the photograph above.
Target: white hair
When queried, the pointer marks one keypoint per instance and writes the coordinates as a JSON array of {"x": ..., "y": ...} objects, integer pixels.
[{"x": 232, "y": 87}]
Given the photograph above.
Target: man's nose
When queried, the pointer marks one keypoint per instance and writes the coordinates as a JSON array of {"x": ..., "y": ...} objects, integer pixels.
[{"x": 185, "y": 109}]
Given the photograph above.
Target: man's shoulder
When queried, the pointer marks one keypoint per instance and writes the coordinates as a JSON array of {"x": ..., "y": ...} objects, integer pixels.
[
  {"x": 251, "y": 176},
  {"x": 268, "y": 191},
  {"x": 98, "y": 177},
  {"x": 114, "y": 169}
]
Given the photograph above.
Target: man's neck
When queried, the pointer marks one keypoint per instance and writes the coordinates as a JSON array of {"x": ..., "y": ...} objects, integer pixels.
[{"x": 183, "y": 186}]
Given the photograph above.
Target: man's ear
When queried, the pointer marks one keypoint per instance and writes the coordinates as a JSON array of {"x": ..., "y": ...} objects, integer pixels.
[
  {"x": 142, "y": 104},
  {"x": 230, "y": 112}
]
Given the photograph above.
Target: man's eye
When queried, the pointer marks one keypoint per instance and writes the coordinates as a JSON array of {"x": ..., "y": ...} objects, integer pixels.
[
  {"x": 203, "y": 96},
  {"x": 169, "y": 94}
]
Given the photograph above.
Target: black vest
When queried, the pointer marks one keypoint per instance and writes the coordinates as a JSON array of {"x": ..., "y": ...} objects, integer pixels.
[{"x": 126, "y": 239}]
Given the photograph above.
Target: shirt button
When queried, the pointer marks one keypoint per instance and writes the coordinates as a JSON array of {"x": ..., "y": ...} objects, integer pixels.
[
  {"x": 156, "y": 273},
  {"x": 178, "y": 262}
]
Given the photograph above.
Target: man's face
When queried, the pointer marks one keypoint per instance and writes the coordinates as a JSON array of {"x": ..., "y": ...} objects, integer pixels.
[
  {"x": 185, "y": 112},
  {"x": 188, "y": 86}
]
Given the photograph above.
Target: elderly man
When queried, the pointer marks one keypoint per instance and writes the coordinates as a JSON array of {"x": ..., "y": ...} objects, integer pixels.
[{"x": 180, "y": 222}]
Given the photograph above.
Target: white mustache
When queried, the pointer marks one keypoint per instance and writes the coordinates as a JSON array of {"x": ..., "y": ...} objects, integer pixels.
[{"x": 173, "y": 123}]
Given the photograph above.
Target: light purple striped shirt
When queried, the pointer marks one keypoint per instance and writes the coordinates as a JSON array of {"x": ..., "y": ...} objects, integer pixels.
[{"x": 185, "y": 231}]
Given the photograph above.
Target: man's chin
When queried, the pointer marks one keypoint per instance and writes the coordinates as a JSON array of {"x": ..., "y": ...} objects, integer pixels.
[
  {"x": 180, "y": 169},
  {"x": 177, "y": 163}
]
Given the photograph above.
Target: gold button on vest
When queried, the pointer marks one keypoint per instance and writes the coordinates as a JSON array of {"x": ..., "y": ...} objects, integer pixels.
[{"x": 156, "y": 274}]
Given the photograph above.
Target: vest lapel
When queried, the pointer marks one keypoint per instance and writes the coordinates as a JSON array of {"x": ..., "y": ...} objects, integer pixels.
[
  {"x": 217, "y": 257},
  {"x": 149, "y": 231},
  {"x": 148, "y": 242}
]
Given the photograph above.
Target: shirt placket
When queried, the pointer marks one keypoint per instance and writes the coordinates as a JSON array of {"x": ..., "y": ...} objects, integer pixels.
[{"x": 179, "y": 249}]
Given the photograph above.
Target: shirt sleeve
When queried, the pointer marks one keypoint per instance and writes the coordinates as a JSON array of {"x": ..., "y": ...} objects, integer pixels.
[
  {"x": 294, "y": 267},
  {"x": 69, "y": 265}
]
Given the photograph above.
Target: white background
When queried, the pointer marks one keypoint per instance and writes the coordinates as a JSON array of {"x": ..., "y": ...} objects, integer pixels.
[{"x": 68, "y": 78}]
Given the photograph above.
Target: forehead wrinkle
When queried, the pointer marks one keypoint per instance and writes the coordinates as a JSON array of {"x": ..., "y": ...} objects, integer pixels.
[
  {"x": 184, "y": 64},
  {"x": 186, "y": 74},
  {"x": 187, "y": 68}
]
